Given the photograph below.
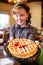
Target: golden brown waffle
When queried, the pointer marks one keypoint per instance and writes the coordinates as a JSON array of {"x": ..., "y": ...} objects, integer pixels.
[{"x": 22, "y": 48}]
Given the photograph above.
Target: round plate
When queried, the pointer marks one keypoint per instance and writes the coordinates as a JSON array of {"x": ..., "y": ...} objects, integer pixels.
[{"x": 15, "y": 59}]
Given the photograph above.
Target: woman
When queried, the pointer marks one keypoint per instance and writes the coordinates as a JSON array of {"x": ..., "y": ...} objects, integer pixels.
[{"x": 22, "y": 28}]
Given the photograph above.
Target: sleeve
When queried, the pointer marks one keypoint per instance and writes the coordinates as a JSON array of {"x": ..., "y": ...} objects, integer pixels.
[{"x": 32, "y": 34}]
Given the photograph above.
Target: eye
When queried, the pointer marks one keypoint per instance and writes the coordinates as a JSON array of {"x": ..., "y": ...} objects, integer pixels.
[
  {"x": 16, "y": 15},
  {"x": 21, "y": 14}
]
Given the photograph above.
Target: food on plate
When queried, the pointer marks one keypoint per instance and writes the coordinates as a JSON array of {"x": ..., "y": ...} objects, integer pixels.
[{"x": 22, "y": 48}]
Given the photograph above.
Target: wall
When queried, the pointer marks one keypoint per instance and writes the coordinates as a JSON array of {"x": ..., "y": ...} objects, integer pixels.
[{"x": 35, "y": 8}]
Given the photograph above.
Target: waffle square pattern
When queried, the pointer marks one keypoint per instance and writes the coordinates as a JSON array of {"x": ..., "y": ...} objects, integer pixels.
[{"x": 22, "y": 48}]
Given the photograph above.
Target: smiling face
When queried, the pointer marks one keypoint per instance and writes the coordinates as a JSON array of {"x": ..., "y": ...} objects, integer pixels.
[{"x": 20, "y": 16}]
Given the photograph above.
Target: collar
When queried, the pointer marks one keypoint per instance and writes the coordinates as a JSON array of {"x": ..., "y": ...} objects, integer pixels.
[{"x": 18, "y": 26}]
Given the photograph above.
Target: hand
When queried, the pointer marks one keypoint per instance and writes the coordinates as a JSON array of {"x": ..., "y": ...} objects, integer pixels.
[
  {"x": 11, "y": 38},
  {"x": 38, "y": 44}
]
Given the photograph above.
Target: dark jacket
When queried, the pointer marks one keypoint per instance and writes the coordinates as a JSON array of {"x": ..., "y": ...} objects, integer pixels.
[{"x": 28, "y": 32}]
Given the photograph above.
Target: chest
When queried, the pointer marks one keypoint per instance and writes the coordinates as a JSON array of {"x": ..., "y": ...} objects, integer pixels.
[{"x": 21, "y": 33}]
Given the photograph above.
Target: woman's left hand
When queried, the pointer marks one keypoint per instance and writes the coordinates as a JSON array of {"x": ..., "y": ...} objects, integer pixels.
[{"x": 38, "y": 44}]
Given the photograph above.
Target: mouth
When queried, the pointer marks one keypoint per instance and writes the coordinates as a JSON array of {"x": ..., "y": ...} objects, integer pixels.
[{"x": 19, "y": 21}]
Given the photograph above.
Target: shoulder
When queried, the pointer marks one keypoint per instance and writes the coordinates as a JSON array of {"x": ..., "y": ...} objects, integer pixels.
[
  {"x": 32, "y": 27},
  {"x": 12, "y": 27}
]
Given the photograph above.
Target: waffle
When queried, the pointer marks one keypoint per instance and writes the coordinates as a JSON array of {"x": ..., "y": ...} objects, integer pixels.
[{"x": 22, "y": 48}]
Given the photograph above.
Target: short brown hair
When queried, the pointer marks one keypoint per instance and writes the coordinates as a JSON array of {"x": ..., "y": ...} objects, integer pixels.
[{"x": 20, "y": 5}]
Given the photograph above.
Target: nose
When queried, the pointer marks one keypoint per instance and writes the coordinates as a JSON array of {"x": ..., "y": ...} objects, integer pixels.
[{"x": 19, "y": 17}]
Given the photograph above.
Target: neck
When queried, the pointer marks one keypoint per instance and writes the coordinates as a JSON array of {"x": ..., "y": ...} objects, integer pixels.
[{"x": 23, "y": 25}]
